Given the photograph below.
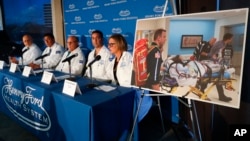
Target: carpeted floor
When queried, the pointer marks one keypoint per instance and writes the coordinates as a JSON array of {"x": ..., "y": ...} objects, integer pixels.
[
  {"x": 11, "y": 131},
  {"x": 150, "y": 129}
]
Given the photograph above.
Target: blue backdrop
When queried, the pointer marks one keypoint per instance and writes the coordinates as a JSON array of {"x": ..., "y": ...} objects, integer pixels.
[{"x": 109, "y": 16}]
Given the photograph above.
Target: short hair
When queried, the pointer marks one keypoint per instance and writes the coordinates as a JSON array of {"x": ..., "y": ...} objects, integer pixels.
[
  {"x": 98, "y": 32},
  {"x": 49, "y": 35},
  {"x": 74, "y": 37},
  {"x": 158, "y": 33},
  {"x": 121, "y": 42},
  {"x": 227, "y": 36},
  {"x": 28, "y": 35}
]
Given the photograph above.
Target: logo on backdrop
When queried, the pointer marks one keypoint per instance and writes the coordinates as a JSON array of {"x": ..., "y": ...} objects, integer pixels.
[
  {"x": 124, "y": 15},
  {"x": 19, "y": 103},
  {"x": 114, "y": 2},
  {"x": 98, "y": 19},
  {"x": 116, "y": 30},
  {"x": 72, "y": 8},
  {"x": 78, "y": 20},
  {"x": 90, "y": 31},
  {"x": 73, "y": 31},
  {"x": 98, "y": 16},
  {"x": 90, "y": 5},
  {"x": 158, "y": 11}
]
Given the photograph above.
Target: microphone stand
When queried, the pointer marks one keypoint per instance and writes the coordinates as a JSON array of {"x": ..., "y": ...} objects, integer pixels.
[
  {"x": 42, "y": 64},
  {"x": 22, "y": 66},
  {"x": 70, "y": 75},
  {"x": 92, "y": 84},
  {"x": 22, "y": 60}
]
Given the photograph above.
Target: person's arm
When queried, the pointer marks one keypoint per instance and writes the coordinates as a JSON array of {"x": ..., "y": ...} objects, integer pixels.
[
  {"x": 196, "y": 52},
  {"x": 77, "y": 64},
  {"x": 13, "y": 60},
  {"x": 54, "y": 58}
]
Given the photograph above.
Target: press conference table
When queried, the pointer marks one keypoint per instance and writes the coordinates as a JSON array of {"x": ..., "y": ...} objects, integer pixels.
[{"x": 45, "y": 111}]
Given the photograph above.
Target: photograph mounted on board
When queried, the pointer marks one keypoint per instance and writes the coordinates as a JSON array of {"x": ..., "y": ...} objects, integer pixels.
[
  {"x": 203, "y": 64},
  {"x": 190, "y": 41}
]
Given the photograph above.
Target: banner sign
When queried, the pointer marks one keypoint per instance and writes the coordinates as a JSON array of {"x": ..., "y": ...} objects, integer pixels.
[{"x": 29, "y": 105}]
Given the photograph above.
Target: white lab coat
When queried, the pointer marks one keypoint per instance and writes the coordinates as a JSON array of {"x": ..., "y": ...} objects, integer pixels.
[
  {"x": 124, "y": 74},
  {"x": 98, "y": 67},
  {"x": 77, "y": 62},
  {"x": 124, "y": 70},
  {"x": 55, "y": 55},
  {"x": 30, "y": 55}
]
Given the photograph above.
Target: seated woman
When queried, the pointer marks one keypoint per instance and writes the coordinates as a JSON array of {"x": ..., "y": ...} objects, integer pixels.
[{"x": 119, "y": 69}]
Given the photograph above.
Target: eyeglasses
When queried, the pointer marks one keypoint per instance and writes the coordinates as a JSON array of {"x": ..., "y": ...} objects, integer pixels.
[{"x": 111, "y": 44}]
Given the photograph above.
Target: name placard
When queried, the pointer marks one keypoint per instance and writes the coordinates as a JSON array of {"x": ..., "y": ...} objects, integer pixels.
[
  {"x": 14, "y": 67},
  {"x": 48, "y": 77},
  {"x": 2, "y": 64},
  {"x": 27, "y": 71},
  {"x": 70, "y": 88}
]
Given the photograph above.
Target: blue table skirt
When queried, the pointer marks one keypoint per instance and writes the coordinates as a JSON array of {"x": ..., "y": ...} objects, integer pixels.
[{"x": 51, "y": 115}]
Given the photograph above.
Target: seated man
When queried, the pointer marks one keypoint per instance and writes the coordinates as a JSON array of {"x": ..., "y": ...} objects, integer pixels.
[
  {"x": 99, "y": 67},
  {"x": 53, "y": 53},
  {"x": 29, "y": 53},
  {"x": 77, "y": 60}
]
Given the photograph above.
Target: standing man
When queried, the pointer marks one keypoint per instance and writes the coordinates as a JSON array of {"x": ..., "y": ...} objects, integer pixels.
[
  {"x": 77, "y": 60},
  {"x": 54, "y": 53},
  {"x": 99, "y": 67},
  {"x": 154, "y": 60},
  {"x": 215, "y": 52},
  {"x": 203, "y": 48},
  {"x": 215, "y": 55},
  {"x": 29, "y": 53},
  {"x": 201, "y": 52}
]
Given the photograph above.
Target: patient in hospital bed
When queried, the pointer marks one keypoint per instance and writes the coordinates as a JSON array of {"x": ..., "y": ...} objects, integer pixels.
[{"x": 187, "y": 72}]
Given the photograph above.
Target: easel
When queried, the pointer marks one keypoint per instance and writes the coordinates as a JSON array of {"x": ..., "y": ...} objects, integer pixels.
[{"x": 190, "y": 104}]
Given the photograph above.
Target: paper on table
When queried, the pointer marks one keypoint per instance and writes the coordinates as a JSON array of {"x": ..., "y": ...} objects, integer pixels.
[
  {"x": 37, "y": 71},
  {"x": 62, "y": 77},
  {"x": 106, "y": 88},
  {"x": 41, "y": 70}
]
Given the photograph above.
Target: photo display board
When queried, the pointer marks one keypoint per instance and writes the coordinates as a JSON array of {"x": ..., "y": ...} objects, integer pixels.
[{"x": 167, "y": 62}]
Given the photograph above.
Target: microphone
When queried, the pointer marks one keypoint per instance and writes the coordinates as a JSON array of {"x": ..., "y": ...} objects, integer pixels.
[
  {"x": 98, "y": 57},
  {"x": 41, "y": 57},
  {"x": 45, "y": 55},
  {"x": 70, "y": 57}
]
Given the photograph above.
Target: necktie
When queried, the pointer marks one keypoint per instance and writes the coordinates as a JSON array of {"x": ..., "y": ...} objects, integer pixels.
[{"x": 68, "y": 54}]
